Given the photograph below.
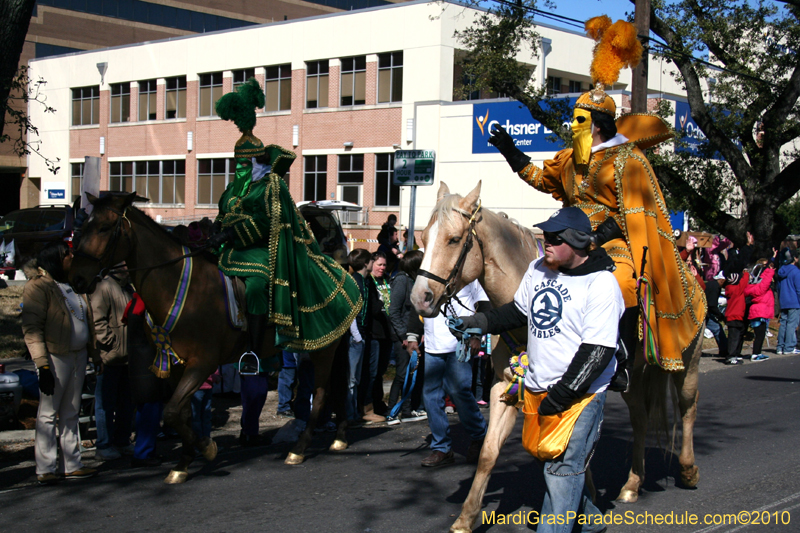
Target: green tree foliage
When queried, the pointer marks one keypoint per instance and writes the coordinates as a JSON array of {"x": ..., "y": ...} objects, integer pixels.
[{"x": 739, "y": 63}]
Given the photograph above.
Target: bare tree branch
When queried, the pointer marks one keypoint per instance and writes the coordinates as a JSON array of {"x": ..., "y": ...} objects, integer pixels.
[{"x": 700, "y": 112}]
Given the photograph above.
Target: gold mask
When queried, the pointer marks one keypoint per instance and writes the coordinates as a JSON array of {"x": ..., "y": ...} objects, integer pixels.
[{"x": 581, "y": 136}]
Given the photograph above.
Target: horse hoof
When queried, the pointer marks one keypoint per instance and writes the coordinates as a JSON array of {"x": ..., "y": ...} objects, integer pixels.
[
  {"x": 294, "y": 459},
  {"x": 176, "y": 477},
  {"x": 338, "y": 445},
  {"x": 454, "y": 529},
  {"x": 628, "y": 496},
  {"x": 690, "y": 476},
  {"x": 208, "y": 448}
]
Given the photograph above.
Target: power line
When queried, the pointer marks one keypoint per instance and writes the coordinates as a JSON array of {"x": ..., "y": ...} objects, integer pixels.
[{"x": 581, "y": 24}]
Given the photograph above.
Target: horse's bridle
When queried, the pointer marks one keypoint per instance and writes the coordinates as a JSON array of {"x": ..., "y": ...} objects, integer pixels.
[
  {"x": 449, "y": 283},
  {"x": 111, "y": 247}
]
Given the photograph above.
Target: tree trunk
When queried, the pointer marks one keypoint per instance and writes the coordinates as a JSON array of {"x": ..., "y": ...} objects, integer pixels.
[{"x": 16, "y": 17}]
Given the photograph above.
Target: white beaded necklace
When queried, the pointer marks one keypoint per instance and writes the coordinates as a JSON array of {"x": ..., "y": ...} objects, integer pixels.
[{"x": 69, "y": 306}]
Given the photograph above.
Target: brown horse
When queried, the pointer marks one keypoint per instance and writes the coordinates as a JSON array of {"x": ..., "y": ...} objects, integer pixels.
[
  {"x": 202, "y": 337},
  {"x": 499, "y": 260}
]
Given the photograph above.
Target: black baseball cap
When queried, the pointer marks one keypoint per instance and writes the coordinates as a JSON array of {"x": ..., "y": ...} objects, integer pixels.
[{"x": 566, "y": 218}]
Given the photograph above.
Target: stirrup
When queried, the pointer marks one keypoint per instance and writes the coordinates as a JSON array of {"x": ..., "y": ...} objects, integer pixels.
[{"x": 249, "y": 364}]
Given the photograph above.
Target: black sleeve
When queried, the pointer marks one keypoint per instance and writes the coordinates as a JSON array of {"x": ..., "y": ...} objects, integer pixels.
[
  {"x": 589, "y": 362},
  {"x": 483, "y": 306},
  {"x": 415, "y": 325},
  {"x": 505, "y": 318}
]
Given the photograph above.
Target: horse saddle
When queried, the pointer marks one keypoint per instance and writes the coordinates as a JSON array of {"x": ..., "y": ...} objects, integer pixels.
[{"x": 235, "y": 301}]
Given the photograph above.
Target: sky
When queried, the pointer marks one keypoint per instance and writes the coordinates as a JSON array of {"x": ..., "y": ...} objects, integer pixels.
[{"x": 585, "y": 9}]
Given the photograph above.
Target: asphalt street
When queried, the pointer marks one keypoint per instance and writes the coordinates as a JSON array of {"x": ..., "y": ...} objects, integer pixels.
[{"x": 746, "y": 444}]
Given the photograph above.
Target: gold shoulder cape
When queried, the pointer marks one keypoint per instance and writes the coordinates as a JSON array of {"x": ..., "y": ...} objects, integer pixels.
[{"x": 620, "y": 182}]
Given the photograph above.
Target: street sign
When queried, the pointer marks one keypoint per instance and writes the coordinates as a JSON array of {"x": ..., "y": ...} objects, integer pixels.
[{"x": 414, "y": 167}]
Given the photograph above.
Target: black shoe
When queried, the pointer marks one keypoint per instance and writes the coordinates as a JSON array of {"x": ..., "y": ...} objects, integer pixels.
[
  {"x": 474, "y": 451},
  {"x": 285, "y": 414},
  {"x": 146, "y": 462},
  {"x": 438, "y": 458},
  {"x": 251, "y": 441}
]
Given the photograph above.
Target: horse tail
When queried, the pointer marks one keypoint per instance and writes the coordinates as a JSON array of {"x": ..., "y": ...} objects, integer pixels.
[{"x": 655, "y": 384}]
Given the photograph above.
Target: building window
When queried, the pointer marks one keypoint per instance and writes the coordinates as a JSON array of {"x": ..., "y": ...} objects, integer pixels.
[
  {"x": 162, "y": 182},
  {"x": 240, "y": 77},
  {"x": 121, "y": 177},
  {"x": 213, "y": 175},
  {"x": 77, "y": 180},
  {"x": 315, "y": 180},
  {"x": 147, "y": 100},
  {"x": 278, "y": 88},
  {"x": 120, "y": 102},
  {"x": 176, "y": 97},
  {"x": 317, "y": 84},
  {"x": 86, "y": 106},
  {"x": 351, "y": 177},
  {"x": 210, "y": 92},
  {"x": 173, "y": 182},
  {"x": 354, "y": 81},
  {"x": 553, "y": 85},
  {"x": 575, "y": 86},
  {"x": 390, "y": 77},
  {"x": 386, "y": 193}
]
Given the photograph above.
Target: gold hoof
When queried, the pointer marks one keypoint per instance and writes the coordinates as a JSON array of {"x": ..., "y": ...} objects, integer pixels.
[
  {"x": 294, "y": 459},
  {"x": 338, "y": 445},
  {"x": 628, "y": 496},
  {"x": 691, "y": 476},
  {"x": 209, "y": 449},
  {"x": 460, "y": 530},
  {"x": 175, "y": 477}
]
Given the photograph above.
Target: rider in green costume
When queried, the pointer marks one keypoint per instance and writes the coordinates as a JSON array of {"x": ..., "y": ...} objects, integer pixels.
[{"x": 289, "y": 282}]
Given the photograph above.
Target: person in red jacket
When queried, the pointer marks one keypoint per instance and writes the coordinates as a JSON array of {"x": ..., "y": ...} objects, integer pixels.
[
  {"x": 762, "y": 306},
  {"x": 734, "y": 315}
]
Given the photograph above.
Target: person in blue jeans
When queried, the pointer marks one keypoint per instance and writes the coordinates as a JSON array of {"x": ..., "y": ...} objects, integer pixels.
[
  {"x": 444, "y": 373},
  {"x": 201, "y": 406},
  {"x": 360, "y": 265},
  {"x": 285, "y": 385},
  {"x": 571, "y": 304},
  {"x": 788, "y": 279}
]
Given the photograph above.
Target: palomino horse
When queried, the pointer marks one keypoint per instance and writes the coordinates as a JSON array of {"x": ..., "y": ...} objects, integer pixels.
[
  {"x": 502, "y": 255},
  {"x": 202, "y": 337}
]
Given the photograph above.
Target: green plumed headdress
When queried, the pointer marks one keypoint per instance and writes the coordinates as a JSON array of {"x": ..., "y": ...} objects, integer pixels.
[{"x": 240, "y": 107}]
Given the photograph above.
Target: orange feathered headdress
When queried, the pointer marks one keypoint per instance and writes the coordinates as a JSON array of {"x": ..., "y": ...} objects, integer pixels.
[{"x": 617, "y": 47}]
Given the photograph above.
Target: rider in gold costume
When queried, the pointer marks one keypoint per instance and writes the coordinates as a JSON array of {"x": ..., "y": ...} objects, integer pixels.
[{"x": 607, "y": 175}]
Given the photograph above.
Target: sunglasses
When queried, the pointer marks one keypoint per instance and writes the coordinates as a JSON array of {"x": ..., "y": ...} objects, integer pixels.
[{"x": 553, "y": 239}]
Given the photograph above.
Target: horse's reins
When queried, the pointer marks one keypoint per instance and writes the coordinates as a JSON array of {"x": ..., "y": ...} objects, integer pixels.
[{"x": 449, "y": 283}]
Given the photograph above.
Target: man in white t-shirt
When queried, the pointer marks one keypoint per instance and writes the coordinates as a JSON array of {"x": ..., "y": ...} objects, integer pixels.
[
  {"x": 444, "y": 373},
  {"x": 572, "y": 304}
]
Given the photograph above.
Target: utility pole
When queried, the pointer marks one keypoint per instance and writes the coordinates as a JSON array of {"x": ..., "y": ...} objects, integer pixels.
[{"x": 641, "y": 20}]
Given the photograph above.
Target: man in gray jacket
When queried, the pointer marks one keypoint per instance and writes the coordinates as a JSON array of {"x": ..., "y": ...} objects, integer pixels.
[{"x": 113, "y": 405}]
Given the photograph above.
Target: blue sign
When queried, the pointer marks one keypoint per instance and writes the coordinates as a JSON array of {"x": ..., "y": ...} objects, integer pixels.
[
  {"x": 529, "y": 134},
  {"x": 692, "y": 134},
  {"x": 56, "y": 194},
  {"x": 676, "y": 219}
]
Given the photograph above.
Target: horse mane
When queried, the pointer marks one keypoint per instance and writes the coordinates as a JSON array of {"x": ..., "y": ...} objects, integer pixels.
[
  {"x": 522, "y": 232},
  {"x": 154, "y": 226},
  {"x": 446, "y": 207}
]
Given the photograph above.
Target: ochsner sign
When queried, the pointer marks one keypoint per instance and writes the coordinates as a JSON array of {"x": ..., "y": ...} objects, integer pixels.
[{"x": 529, "y": 134}]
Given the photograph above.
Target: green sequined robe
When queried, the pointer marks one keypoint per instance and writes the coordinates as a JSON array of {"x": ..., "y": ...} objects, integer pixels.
[{"x": 307, "y": 295}]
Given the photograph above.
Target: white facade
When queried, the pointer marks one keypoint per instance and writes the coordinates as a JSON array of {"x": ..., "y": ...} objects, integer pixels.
[{"x": 423, "y": 31}]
